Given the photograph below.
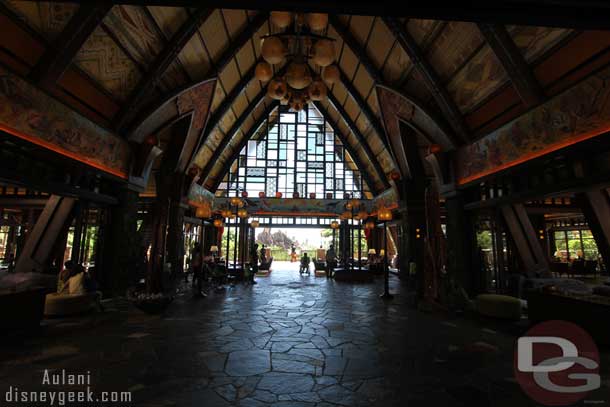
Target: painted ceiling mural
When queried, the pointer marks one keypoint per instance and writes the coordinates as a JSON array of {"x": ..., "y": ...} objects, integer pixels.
[
  {"x": 31, "y": 115},
  {"x": 46, "y": 18},
  {"x": 577, "y": 114},
  {"x": 102, "y": 59}
]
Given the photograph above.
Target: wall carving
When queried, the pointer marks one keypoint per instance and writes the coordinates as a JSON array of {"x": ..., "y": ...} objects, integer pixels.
[{"x": 32, "y": 115}]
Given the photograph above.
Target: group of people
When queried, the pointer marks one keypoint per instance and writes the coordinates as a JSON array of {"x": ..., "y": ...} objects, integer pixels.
[{"x": 330, "y": 257}]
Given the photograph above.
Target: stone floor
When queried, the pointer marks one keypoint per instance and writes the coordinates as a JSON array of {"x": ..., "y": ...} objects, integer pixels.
[{"x": 287, "y": 341}]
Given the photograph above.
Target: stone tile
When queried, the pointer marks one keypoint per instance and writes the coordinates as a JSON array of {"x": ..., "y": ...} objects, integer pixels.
[
  {"x": 286, "y": 383},
  {"x": 248, "y": 362}
]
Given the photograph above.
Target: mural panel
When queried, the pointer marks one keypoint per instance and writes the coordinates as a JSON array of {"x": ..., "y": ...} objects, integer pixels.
[
  {"x": 47, "y": 18},
  {"x": 32, "y": 115},
  {"x": 579, "y": 113}
]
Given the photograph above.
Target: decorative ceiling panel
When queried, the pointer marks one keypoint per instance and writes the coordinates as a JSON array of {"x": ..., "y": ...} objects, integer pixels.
[
  {"x": 136, "y": 32},
  {"x": 361, "y": 26},
  {"x": 477, "y": 80},
  {"x": 229, "y": 76},
  {"x": 348, "y": 62},
  {"x": 380, "y": 42},
  {"x": 46, "y": 18},
  {"x": 396, "y": 66},
  {"x": 235, "y": 21},
  {"x": 169, "y": 19},
  {"x": 214, "y": 35},
  {"x": 219, "y": 96},
  {"x": 340, "y": 92},
  {"x": 194, "y": 59},
  {"x": 253, "y": 88},
  {"x": 363, "y": 81},
  {"x": 456, "y": 43},
  {"x": 420, "y": 30},
  {"x": 245, "y": 58},
  {"x": 102, "y": 59},
  {"x": 372, "y": 102},
  {"x": 174, "y": 77},
  {"x": 534, "y": 42}
]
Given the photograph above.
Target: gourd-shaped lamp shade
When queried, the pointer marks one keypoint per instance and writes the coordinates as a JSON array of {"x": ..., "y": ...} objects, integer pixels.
[
  {"x": 242, "y": 213},
  {"x": 244, "y": 194},
  {"x": 298, "y": 75},
  {"x": 331, "y": 74},
  {"x": 349, "y": 205},
  {"x": 334, "y": 224},
  {"x": 278, "y": 194},
  {"x": 273, "y": 50},
  {"x": 297, "y": 106},
  {"x": 317, "y": 90},
  {"x": 235, "y": 201},
  {"x": 317, "y": 21},
  {"x": 382, "y": 252},
  {"x": 225, "y": 213},
  {"x": 263, "y": 71},
  {"x": 254, "y": 224},
  {"x": 372, "y": 251},
  {"x": 385, "y": 214},
  {"x": 217, "y": 223},
  {"x": 281, "y": 19},
  {"x": 277, "y": 89},
  {"x": 324, "y": 52},
  {"x": 214, "y": 249},
  {"x": 369, "y": 225},
  {"x": 261, "y": 194}
]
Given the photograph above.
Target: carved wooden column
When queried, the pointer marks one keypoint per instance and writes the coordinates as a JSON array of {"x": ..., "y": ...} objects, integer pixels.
[
  {"x": 461, "y": 244},
  {"x": 595, "y": 205}
]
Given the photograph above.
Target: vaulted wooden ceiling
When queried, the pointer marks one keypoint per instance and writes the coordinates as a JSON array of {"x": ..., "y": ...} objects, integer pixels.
[{"x": 112, "y": 63}]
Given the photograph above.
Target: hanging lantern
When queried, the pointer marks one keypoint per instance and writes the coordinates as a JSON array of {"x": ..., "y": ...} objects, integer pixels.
[
  {"x": 254, "y": 224},
  {"x": 263, "y": 72},
  {"x": 324, "y": 52},
  {"x": 298, "y": 75},
  {"x": 295, "y": 194},
  {"x": 242, "y": 213},
  {"x": 244, "y": 194},
  {"x": 384, "y": 214},
  {"x": 312, "y": 195},
  {"x": 278, "y": 194},
  {"x": 261, "y": 194},
  {"x": 218, "y": 223},
  {"x": 235, "y": 201},
  {"x": 297, "y": 106},
  {"x": 369, "y": 224},
  {"x": 349, "y": 205},
  {"x": 225, "y": 213},
  {"x": 281, "y": 19},
  {"x": 277, "y": 89},
  {"x": 331, "y": 74},
  {"x": 394, "y": 175},
  {"x": 362, "y": 215},
  {"x": 334, "y": 224},
  {"x": 203, "y": 212},
  {"x": 317, "y": 90},
  {"x": 317, "y": 21},
  {"x": 273, "y": 50}
]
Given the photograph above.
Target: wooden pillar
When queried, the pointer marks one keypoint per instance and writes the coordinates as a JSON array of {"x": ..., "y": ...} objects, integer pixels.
[
  {"x": 121, "y": 249},
  {"x": 40, "y": 242},
  {"x": 461, "y": 245},
  {"x": 595, "y": 206},
  {"x": 175, "y": 227},
  {"x": 526, "y": 241}
]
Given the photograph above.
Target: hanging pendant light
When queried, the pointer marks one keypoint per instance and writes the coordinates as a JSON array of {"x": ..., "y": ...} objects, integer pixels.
[
  {"x": 317, "y": 21},
  {"x": 263, "y": 71},
  {"x": 273, "y": 50},
  {"x": 277, "y": 89},
  {"x": 331, "y": 74},
  {"x": 323, "y": 52},
  {"x": 298, "y": 75},
  {"x": 317, "y": 90},
  {"x": 281, "y": 19}
]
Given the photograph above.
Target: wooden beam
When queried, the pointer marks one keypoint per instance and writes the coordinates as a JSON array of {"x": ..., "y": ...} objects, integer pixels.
[
  {"x": 60, "y": 55},
  {"x": 240, "y": 41},
  {"x": 361, "y": 140},
  {"x": 356, "y": 47},
  {"x": 350, "y": 149},
  {"x": 227, "y": 164},
  {"x": 511, "y": 59},
  {"x": 227, "y": 138},
  {"x": 364, "y": 107},
  {"x": 160, "y": 65},
  {"x": 582, "y": 14},
  {"x": 430, "y": 78}
]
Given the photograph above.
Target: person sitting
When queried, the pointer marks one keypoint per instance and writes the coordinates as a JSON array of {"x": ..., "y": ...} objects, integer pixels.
[
  {"x": 305, "y": 260},
  {"x": 80, "y": 283},
  {"x": 263, "y": 256},
  {"x": 253, "y": 263},
  {"x": 331, "y": 260}
]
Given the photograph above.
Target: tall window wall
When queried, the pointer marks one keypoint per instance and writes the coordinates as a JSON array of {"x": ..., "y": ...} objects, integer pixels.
[{"x": 295, "y": 152}]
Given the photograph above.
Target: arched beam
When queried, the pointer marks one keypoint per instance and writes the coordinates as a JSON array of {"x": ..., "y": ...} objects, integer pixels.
[
  {"x": 227, "y": 164},
  {"x": 396, "y": 107},
  {"x": 159, "y": 66},
  {"x": 227, "y": 137},
  {"x": 363, "y": 142},
  {"x": 430, "y": 78},
  {"x": 352, "y": 152},
  {"x": 194, "y": 101},
  {"x": 511, "y": 59}
]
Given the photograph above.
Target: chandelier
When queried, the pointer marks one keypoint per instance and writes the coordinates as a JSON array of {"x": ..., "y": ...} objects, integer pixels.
[{"x": 297, "y": 45}]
